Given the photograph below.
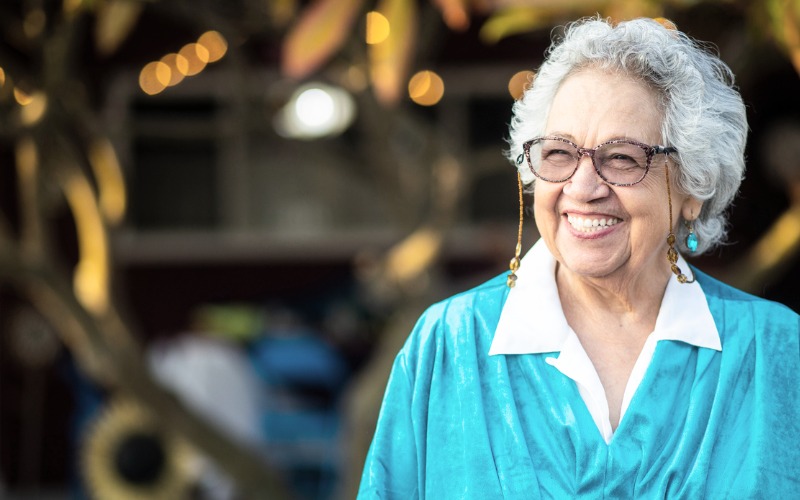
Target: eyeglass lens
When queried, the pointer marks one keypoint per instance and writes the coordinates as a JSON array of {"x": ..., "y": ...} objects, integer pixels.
[{"x": 618, "y": 162}]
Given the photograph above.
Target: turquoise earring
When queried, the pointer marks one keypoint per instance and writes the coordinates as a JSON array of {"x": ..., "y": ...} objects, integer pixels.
[{"x": 691, "y": 238}]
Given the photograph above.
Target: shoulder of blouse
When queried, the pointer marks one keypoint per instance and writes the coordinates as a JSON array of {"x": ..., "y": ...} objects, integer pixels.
[
  {"x": 742, "y": 318},
  {"x": 469, "y": 317}
]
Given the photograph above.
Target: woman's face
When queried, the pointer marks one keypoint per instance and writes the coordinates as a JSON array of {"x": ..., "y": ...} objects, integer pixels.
[{"x": 629, "y": 224}]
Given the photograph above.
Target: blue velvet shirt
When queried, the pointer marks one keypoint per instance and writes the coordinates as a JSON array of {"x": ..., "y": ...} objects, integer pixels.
[{"x": 458, "y": 423}]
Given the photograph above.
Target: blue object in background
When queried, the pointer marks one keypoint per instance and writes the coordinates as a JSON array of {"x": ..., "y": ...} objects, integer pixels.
[
  {"x": 88, "y": 400},
  {"x": 298, "y": 359},
  {"x": 303, "y": 379}
]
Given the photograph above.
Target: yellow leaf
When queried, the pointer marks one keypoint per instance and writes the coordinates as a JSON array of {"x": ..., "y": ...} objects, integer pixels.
[
  {"x": 624, "y": 10},
  {"x": 510, "y": 22},
  {"x": 91, "y": 280},
  {"x": 412, "y": 256},
  {"x": 115, "y": 21},
  {"x": 784, "y": 19},
  {"x": 791, "y": 32},
  {"x": 390, "y": 59},
  {"x": 281, "y": 11},
  {"x": 562, "y": 6},
  {"x": 321, "y": 30},
  {"x": 110, "y": 181}
]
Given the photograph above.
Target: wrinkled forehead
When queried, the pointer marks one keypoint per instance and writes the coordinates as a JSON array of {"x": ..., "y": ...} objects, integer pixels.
[{"x": 594, "y": 105}]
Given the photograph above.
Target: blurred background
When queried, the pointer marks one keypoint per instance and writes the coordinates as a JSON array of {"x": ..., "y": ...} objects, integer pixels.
[{"x": 221, "y": 218}]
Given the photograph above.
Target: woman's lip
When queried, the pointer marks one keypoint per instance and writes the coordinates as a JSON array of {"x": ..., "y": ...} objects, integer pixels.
[{"x": 588, "y": 214}]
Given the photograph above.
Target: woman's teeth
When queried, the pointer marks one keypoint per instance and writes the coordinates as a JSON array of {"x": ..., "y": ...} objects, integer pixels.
[{"x": 588, "y": 225}]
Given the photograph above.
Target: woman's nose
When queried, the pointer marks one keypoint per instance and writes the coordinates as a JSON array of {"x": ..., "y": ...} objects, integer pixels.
[{"x": 586, "y": 184}]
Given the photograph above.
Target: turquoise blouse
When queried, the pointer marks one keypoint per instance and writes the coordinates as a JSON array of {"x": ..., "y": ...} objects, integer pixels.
[{"x": 457, "y": 424}]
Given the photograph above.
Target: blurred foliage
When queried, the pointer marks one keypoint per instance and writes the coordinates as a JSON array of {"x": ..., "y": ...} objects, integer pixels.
[
  {"x": 325, "y": 26},
  {"x": 62, "y": 156}
]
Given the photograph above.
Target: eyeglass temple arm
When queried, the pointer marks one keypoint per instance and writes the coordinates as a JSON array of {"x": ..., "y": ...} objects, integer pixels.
[{"x": 664, "y": 149}]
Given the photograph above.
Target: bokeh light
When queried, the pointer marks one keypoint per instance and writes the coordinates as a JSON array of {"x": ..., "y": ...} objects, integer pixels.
[
  {"x": 215, "y": 44},
  {"x": 377, "y": 28},
  {"x": 426, "y": 88},
  {"x": 189, "y": 61},
  {"x": 154, "y": 77},
  {"x": 178, "y": 66},
  {"x": 663, "y": 21},
  {"x": 315, "y": 110},
  {"x": 196, "y": 56},
  {"x": 314, "y": 107},
  {"x": 354, "y": 79},
  {"x": 520, "y": 82}
]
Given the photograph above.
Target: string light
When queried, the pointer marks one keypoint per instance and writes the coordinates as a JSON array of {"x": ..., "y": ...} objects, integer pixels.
[
  {"x": 178, "y": 65},
  {"x": 154, "y": 77},
  {"x": 193, "y": 58},
  {"x": 215, "y": 44},
  {"x": 196, "y": 57}
]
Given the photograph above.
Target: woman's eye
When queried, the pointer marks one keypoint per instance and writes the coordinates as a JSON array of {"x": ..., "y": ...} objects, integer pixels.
[
  {"x": 622, "y": 162},
  {"x": 621, "y": 157}
]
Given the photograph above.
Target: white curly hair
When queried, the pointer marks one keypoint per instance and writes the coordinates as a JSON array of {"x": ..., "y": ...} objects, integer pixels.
[{"x": 704, "y": 115}]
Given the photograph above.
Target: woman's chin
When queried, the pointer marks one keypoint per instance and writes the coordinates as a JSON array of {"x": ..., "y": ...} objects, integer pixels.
[
  {"x": 591, "y": 271},
  {"x": 594, "y": 264}
]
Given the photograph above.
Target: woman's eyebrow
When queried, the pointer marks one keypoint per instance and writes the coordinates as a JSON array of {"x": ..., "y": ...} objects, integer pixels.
[
  {"x": 571, "y": 138},
  {"x": 562, "y": 135}
]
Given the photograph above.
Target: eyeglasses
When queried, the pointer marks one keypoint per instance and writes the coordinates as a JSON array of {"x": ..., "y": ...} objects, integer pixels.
[{"x": 619, "y": 162}]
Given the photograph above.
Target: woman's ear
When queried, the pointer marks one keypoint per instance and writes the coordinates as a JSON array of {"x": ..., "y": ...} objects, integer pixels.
[{"x": 691, "y": 208}]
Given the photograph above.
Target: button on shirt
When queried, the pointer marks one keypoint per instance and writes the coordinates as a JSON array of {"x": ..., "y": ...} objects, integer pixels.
[{"x": 533, "y": 322}]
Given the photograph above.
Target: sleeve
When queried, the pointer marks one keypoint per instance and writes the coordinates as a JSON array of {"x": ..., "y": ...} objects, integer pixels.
[{"x": 391, "y": 468}]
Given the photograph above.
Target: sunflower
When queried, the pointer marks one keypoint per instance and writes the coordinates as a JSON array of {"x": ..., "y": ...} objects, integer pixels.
[{"x": 126, "y": 455}]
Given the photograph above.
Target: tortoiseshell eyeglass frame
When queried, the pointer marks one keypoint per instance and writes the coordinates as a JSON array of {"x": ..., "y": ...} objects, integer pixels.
[{"x": 650, "y": 151}]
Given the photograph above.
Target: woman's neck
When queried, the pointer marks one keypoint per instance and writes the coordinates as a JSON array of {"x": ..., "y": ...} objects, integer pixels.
[
  {"x": 615, "y": 307},
  {"x": 612, "y": 319}
]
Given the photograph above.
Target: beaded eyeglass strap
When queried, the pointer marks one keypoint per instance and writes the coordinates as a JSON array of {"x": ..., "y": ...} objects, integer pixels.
[{"x": 672, "y": 254}]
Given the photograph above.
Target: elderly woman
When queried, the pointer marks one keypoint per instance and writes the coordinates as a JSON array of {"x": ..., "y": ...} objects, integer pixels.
[{"x": 603, "y": 365}]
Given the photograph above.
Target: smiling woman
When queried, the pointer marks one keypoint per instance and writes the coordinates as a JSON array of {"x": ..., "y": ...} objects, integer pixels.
[
  {"x": 603, "y": 365},
  {"x": 594, "y": 107}
]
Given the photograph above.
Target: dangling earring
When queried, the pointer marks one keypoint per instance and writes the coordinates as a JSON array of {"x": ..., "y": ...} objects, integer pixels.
[
  {"x": 514, "y": 264},
  {"x": 672, "y": 254},
  {"x": 691, "y": 238}
]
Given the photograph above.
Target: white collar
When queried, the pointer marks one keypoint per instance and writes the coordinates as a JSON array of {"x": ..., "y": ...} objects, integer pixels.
[{"x": 532, "y": 320}]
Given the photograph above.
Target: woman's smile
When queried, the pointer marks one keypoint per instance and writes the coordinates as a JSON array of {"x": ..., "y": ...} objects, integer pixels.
[{"x": 588, "y": 224}]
